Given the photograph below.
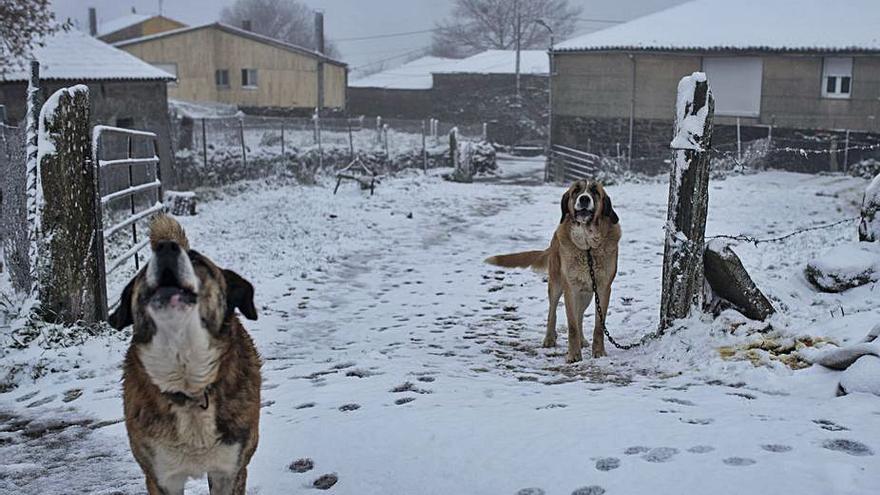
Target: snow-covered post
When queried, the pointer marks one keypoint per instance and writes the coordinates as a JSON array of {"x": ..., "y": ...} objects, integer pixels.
[
  {"x": 241, "y": 138},
  {"x": 204, "y": 145},
  {"x": 317, "y": 118},
  {"x": 688, "y": 200},
  {"x": 32, "y": 182},
  {"x": 424, "y": 149},
  {"x": 453, "y": 148},
  {"x": 385, "y": 136},
  {"x": 379, "y": 130},
  {"x": 869, "y": 226},
  {"x": 485, "y": 132},
  {"x": 68, "y": 271}
]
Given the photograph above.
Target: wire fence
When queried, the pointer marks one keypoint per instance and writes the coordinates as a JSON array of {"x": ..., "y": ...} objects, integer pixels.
[{"x": 755, "y": 147}]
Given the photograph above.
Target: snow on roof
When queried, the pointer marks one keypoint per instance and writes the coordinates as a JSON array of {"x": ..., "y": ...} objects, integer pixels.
[
  {"x": 502, "y": 62},
  {"x": 123, "y": 22},
  {"x": 76, "y": 55},
  {"x": 778, "y": 25},
  {"x": 411, "y": 75},
  {"x": 284, "y": 45}
]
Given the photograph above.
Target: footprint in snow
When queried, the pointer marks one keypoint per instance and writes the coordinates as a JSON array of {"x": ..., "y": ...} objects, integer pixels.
[
  {"x": 325, "y": 482},
  {"x": 697, "y": 421},
  {"x": 305, "y": 405},
  {"x": 827, "y": 424},
  {"x": 738, "y": 461},
  {"x": 660, "y": 454},
  {"x": 607, "y": 463},
  {"x": 850, "y": 447},
  {"x": 777, "y": 448},
  {"x": 530, "y": 491},
  {"x": 589, "y": 490},
  {"x": 639, "y": 449},
  {"x": 682, "y": 402},
  {"x": 701, "y": 449},
  {"x": 302, "y": 465},
  {"x": 349, "y": 407},
  {"x": 404, "y": 400}
]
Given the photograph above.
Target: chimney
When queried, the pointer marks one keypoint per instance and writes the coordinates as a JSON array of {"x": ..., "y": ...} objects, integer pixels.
[
  {"x": 246, "y": 24},
  {"x": 319, "y": 31},
  {"x": 133, "y": 10},
  {"x": 93, "y": 22}
]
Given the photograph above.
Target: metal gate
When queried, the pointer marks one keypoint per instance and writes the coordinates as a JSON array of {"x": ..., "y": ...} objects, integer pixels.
[
  {"x": 113, "y": 186},
  {"x": 570, "y": 164}
]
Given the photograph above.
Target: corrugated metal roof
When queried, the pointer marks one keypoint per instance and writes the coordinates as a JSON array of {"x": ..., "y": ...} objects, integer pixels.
[
  {"x": 411, "y": 75},
  {"x": 501, "y": 62},
  {"x": 77, "y": 56},
  {"x": 745, "y": 25}
]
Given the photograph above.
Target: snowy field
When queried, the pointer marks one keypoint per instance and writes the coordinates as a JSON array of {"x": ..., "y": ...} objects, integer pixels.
[{"x": 396, "y": 359}]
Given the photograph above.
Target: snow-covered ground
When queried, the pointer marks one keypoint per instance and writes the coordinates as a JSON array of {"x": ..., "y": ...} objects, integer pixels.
[{"x": 396, "y": 359}]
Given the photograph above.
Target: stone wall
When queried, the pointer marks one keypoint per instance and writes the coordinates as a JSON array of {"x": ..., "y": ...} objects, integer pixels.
[{"x": 390, "y": 103}]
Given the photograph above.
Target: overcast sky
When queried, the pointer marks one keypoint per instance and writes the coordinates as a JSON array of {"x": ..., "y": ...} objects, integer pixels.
[{"x": 351, "y": 19}]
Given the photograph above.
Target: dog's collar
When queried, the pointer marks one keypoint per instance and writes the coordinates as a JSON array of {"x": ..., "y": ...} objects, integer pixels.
[{"x": 181, "y": 398}]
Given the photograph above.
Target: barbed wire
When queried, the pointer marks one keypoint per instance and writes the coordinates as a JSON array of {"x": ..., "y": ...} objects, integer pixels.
[{"x": 756, "y": 241}]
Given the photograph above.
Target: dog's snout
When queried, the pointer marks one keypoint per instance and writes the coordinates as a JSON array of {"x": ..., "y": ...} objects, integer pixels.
[
  {"x": 585, "y": 201},
  {"x": 167, "y": 248}
]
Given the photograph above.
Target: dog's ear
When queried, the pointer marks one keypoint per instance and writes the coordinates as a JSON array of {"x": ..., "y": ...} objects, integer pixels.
[
  {"x": 240, "y": 294},
  {"x": 608, "y": 210},
  {"x": 564, "y": 205},
  {"x": 122, "y": 317}
]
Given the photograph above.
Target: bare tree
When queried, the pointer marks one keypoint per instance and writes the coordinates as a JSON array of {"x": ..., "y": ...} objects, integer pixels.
[
  {"x": 23, "y": 26},
  {"x": 285, "y": 20},
  {"x": 477, "y": 25}
]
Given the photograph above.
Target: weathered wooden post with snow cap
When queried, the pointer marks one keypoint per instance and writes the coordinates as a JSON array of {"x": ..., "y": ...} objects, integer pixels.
[
  {"x": 68, "y": 272},
  {"x": 688, "y": 200}
]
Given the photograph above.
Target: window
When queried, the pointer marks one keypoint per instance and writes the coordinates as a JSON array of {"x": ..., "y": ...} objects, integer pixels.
[
  {"x": 169, "y": 68},
  {"x": 125, "y": 122},
  {"x": 736, "y": 85},
  {"x": 249, "y": 78},
  {"x": 221, "y": 78},
  {"x": 837, "y": 77}
]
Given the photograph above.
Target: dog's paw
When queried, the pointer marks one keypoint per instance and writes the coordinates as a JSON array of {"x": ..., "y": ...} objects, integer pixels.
[
  {"x": 599, "y": 352},
  {"x": 549, "y": 342},
  {"x": 573, "y": 357}
]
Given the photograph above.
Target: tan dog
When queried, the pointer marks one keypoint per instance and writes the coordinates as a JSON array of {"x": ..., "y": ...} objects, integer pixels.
[
  {"x": 588, "y": 222},
  {"x": 191, "y": 379}
]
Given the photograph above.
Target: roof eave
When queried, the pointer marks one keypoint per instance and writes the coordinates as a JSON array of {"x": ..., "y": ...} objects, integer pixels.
[{"x": 717, "y": 49}]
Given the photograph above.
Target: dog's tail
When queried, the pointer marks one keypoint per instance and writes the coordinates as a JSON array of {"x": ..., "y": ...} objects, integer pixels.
[
  {"x": 536, "y": 260},
  {"x": 166, "y": 228}
]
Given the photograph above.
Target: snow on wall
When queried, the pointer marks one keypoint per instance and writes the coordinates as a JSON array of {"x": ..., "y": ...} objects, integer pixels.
[
  {"x": 745, "y": 24},
  {"x": 536, "y": 62}
]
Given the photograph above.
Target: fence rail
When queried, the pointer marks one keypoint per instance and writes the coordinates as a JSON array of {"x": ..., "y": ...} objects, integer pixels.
[
  {"x": 573, "y": 164},
  {"x": 150, "y": 171}
]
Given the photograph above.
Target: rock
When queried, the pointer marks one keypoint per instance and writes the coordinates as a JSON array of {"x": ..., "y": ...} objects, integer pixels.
[
  {"x": 181, "y": 204},
  {"x": 844, "y": 267},
  {"x": 730, "y": 281},
  {"x": 869, "y": 227}
]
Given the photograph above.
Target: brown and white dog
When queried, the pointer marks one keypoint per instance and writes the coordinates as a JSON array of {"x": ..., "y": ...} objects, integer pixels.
[
  {"x": 588, "y": 222},
  {"x": 191, "y": 379}
]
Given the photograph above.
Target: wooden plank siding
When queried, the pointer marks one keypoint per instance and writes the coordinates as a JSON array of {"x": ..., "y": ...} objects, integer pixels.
[{"x": 285, "y": 78}]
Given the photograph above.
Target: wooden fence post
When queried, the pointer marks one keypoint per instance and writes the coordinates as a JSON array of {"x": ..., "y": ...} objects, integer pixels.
[
  {"x": 688, "y": 200},
  {"x": 32, "y": 178},
  {"x": 424, "y": 150},
  {"x": 282, "y": 138},
  {"x": 68, "y": 276},
  {"x": 243, "y": 146},
  {"x": 204, "y": 145}
]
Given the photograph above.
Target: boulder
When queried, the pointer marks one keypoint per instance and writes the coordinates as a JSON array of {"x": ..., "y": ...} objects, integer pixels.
[
  {"x": 845, "y": 267},
  {"x": 180, "y": 204},
  {"x": 869, "y": 227},
  {"x": 730, "y": 281}
]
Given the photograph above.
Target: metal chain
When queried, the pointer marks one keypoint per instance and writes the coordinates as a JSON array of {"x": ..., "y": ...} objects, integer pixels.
[{"x": 601, "y": 314}]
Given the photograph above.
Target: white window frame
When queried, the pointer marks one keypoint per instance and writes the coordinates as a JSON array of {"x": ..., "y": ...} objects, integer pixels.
[
  {"x": 217, "y": 73},
  {"x": 837, "y": 68},
  {"x": 249, "y": 78}
]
